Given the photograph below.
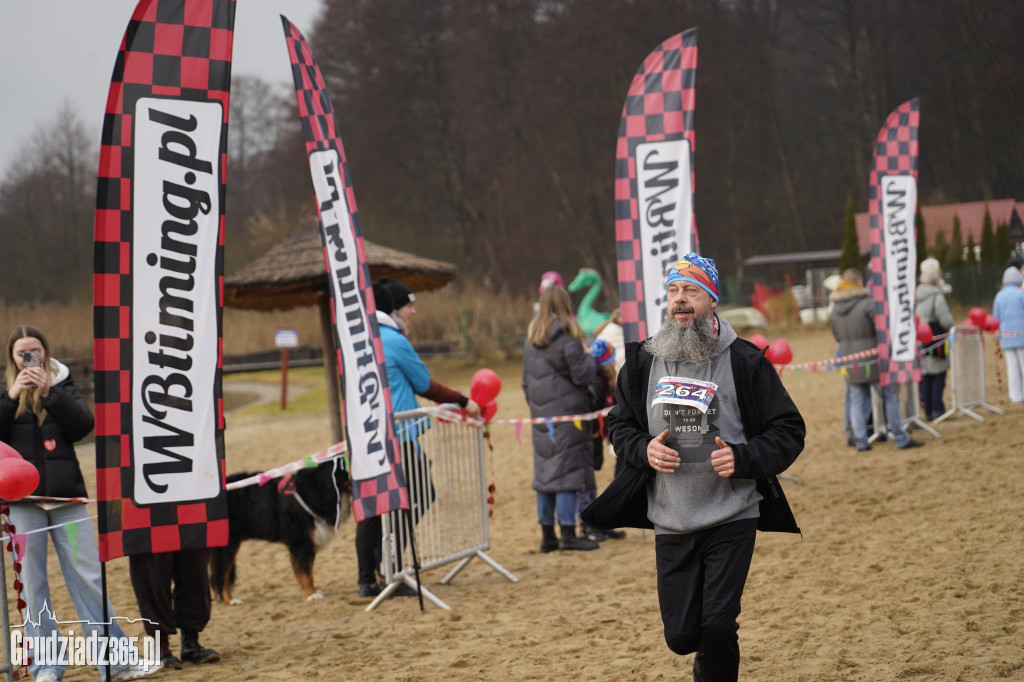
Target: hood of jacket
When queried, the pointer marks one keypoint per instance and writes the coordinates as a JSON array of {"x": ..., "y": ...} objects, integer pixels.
[
  {"x": 848, "y": 295},
  {"x": 1013, "y": 277}
]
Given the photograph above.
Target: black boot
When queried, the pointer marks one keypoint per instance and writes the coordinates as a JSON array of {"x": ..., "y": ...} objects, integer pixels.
[
  {"x": 194, "y": 652},
  {"x": 548, "y": 543},
  {"x": 569, "y": 541}
]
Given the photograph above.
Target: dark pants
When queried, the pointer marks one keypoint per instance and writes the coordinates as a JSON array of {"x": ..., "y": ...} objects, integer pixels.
[
  {"x": 186, "y": 605},
  {"x": 932, "y": 387},
  {"x": 700, "y": 581},
  {"x": 369, "y": 532},
  {"x": 368, "y": 539}
]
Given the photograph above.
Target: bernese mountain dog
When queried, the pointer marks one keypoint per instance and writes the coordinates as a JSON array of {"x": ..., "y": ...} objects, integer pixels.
[{"x": 299, "y": 510}]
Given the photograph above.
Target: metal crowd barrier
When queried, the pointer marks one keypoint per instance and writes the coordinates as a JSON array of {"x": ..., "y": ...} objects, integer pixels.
[
  {"x": 449, "y": 519},
  {"x": 967, "y": 372}
]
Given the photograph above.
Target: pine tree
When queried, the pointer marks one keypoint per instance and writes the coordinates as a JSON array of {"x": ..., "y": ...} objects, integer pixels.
[
  {"x": 941, "y": 249},
  {"x": 1003, "y": 246},
  {"x": 850, "y": 257},
  {"x": 955, "y": 254},
  {"x": 921, "y": 239},
  {"x": 988, "y": 240}
]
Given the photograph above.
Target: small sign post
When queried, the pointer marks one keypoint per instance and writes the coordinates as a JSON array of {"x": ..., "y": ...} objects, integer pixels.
[{"x": 285, "y": 339}]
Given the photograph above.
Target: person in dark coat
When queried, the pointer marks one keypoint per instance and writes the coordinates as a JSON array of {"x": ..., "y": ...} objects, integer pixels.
[
  {"x": 853, "y": 326},
  {"x": 557, "y": 368},
  {"x": 42, "y": 415}
]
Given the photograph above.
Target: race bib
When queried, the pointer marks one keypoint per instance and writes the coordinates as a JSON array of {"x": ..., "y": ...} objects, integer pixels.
[{"x": 684, "y": 391}]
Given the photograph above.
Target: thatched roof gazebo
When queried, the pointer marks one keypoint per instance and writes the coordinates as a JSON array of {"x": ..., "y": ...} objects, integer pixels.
[{"x": 292, "y": 274}]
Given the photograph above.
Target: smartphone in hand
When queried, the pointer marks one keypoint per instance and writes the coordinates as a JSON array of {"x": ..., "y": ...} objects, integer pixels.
[{"x": 32, "y": 358}]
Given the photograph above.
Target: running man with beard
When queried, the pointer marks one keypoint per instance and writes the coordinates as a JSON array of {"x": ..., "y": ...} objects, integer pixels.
[{"x": 706, "y": 411}]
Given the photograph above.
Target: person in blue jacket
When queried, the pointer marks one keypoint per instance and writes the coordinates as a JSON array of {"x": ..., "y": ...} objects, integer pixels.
[
  {"x": 1008, "y": 308},
  {"x": 407, "y": 378}
]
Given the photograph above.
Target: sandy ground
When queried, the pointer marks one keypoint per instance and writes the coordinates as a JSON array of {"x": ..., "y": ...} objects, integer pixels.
[{"x": 910, "y": 567}]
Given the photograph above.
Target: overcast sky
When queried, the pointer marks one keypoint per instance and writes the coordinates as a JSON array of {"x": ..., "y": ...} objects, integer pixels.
[{"x": 63, "y": 50}]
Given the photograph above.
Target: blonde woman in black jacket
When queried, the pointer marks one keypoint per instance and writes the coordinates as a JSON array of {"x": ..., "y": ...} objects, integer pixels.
[
  {"x": 557, "y": 368},
  {"x": 42, "y": 415}
]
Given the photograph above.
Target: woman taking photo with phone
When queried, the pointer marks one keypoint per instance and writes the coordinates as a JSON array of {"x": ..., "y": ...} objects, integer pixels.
[{"x": 42, "y": 415}]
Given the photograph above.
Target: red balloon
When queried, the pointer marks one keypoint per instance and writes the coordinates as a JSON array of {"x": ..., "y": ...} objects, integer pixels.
[
  {"x": 917, "y": 319},
  {"x": 484, "y": 387},
  {"x": 977, "y": 316},
  {"x": 968, "y": 323},
  {"x": 991, "y": 323},
  {"x": 7, "y": 451},
  {"x": 488, "y": 411},
  {"x": 759, "y": 341},
  {"x": 924, "y": 333},
  {"x": 779, "y": 352},
  {"x": 18, "y": 478}
]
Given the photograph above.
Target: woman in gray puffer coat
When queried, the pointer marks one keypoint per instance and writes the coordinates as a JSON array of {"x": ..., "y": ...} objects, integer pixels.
[
  {"x": 933, "y": 310},
  {"x": 557, "y": 368}
]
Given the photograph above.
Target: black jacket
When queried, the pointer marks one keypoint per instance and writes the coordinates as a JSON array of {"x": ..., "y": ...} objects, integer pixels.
[
  {"x": 50, "y": 446},
  {"x": 771, "y": 422}
]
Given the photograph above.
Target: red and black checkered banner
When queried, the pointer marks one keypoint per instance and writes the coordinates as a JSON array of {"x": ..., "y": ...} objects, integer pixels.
[
  {"x": 654, "y": 181},
  {"x": 378, "y": 481},
  {"x": 158, "y": 281},
  {"x": 892, "y": 202}
]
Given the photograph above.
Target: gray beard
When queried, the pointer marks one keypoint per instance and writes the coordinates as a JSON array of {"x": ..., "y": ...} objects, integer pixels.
[{"x": 694, "y": 343}]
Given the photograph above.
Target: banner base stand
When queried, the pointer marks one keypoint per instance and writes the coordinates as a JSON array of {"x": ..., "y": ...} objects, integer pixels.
[
  {"x": 484, "y": 558},
  {"x": 921, "y": 424},
  {"x": 391, "y": 587},
  {"x": 965, "y": 409}
]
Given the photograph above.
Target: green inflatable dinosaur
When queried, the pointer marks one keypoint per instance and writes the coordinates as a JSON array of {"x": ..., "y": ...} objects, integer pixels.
[{"x": 588, "y": 318}]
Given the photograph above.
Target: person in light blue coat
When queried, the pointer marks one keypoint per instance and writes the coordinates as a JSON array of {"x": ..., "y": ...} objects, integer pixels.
[
  {"x": 1008, "y": 308},
  {"x": 407, "y": 378}
]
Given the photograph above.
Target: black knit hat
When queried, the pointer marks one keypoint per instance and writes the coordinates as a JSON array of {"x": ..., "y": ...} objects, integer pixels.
[
  {"x": 401, "y": 295},
  {"x": 382, "y": 297}
]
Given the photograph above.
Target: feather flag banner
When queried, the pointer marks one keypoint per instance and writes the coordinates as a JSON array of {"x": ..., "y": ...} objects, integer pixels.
[
  {"x": 892, "y": 202},
  {"x": 654, "y": 181},
  {"x": 378, "y": 483},
  {"x": 158, "y": 281}
]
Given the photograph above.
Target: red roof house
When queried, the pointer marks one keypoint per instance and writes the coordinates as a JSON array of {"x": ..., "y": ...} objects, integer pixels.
[{"x": 939, "y": 218}]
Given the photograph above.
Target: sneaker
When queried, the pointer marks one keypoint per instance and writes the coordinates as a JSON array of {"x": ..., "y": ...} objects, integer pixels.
[
  {"x": 369, "y": 590},
  {"x": 577, "y": 544},
  {"x": 548, "y": 545},
  {"x": 134, "y": 671},
  {"x": 863, "y": 449},
  {"x": 593, "y": 534},
  {"x": 910, "y": 444},
  {"x": 615, "y": 534},
  {"x": 47, "y": 676},
  {"x": 170, "y": 662}
]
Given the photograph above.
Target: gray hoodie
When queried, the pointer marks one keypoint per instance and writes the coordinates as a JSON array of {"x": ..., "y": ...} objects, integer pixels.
[{"x": 695, "y": 497}]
